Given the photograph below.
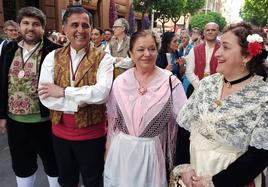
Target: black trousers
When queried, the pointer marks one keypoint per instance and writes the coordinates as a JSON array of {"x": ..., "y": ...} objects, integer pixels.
[
  {"x": 26, "y": 141},
  {"x": 75, "y": 157}
]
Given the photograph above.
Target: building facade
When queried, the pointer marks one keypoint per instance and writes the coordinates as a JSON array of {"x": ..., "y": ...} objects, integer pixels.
[{"x": 54, "y": 10}]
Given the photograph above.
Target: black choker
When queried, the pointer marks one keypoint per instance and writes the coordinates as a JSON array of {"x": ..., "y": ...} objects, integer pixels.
[{"x": 230, "y": 83}]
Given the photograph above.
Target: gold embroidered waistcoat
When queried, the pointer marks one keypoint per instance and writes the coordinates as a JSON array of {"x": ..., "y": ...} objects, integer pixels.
[{"x": 90, "y": 114}]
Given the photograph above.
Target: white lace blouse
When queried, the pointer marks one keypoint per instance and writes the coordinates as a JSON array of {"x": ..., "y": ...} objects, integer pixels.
[{"x": 240, "y": 120}]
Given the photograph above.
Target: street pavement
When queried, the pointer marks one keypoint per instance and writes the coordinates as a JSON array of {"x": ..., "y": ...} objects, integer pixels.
[{"x": 7, "y": 177}]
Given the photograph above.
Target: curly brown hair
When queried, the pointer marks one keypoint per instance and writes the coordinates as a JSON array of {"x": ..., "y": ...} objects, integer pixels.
[{"x": 241, "y": 30}]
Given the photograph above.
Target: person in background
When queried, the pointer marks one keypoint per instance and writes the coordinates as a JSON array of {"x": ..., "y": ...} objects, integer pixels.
[
  {"x": 26, "y": 119},
  {"x": 184, "y": 49},
  {"x": 181, "y": 32},
  {"x": 74, "y": 84},
  {"x": 227, "y": 116},
  {"x": 119, "y": 46},
  {"x": 62, "y": 40},
  {"x": 97, "y": 37},
  {"x": 53, "y": 36},
  {"x": 108, "y": 34},
  {"x": 11, "y": 31},
  {"x": 185, "y": 45},
  {"x": 168, "y": 56},
  {"x": 142, "y": 107},
  {"x": 196, "y": 37},
  {"x": 201, "y": 61}
]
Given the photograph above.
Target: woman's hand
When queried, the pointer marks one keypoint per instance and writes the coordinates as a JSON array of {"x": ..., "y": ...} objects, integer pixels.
[
  {"x": 187, "y": 177},
  {"x": 202, "y": 181},
  {"x": 180, "y": 61},
  {"x": 169, "y": 67}
]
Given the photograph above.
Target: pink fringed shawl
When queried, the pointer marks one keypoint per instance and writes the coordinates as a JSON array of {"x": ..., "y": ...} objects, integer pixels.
[{"x": 139, "y": 110}]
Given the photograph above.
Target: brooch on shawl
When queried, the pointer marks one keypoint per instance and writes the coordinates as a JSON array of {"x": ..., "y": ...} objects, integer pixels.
[{"x": 217, "y": 103}]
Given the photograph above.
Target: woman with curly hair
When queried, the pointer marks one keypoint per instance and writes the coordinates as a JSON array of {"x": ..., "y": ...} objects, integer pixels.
[{"x": 227, "y": 116}]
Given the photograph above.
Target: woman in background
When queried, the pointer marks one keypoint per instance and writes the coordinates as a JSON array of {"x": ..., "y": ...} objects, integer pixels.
[{"x": 169, "y": 44}]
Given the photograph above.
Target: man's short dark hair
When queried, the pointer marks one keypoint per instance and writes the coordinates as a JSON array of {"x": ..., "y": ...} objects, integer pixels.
[
  {"x": 99, "y": 29},
  {"x": 110, "y": 30},
  {"x": 32, "y": 12},
  {"x": 74, "y": 10}
]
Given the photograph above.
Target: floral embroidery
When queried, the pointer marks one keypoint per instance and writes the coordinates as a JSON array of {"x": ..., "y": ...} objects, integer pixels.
[{"x": 23, "y": 97}]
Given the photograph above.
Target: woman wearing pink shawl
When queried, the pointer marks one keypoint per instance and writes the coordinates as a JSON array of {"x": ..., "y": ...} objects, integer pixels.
[{"x": 142, "y": 109}]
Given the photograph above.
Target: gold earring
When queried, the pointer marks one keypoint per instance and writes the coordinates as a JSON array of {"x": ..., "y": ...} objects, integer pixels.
[{"x": 243, "y": 66}]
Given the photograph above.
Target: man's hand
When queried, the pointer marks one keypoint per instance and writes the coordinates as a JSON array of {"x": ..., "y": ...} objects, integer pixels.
[
  {"x": 3, "y": 125},
  {"x": 50, "y": 90}
]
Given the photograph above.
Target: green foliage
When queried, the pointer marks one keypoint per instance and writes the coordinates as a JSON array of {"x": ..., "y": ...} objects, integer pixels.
[
  {"x": 168, "y": 9},
  {"x": 143, "y": 5},
  {"x": 161, "y": 12},
  {"x": 200, "y": 20},
  {"x": 175, "y": 10},
  {"x": 193, "y": 6},
  {"x": 218, "y": 18},
  {"x": 255, "y": 11}
]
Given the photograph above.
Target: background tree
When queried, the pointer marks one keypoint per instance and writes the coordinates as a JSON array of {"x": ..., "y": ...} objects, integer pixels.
[
  {"x": 143, "y": 6},
  {"x": 161, "y": 12},
  {"x": 191, "y": 7},
  {"x": 200, "y": 20},
  {"x": 218, "y": 18},
  {"x": 169, "y": 10},
  {"x": 255, "y": 11},
  {"x": 175, "y": 10}
]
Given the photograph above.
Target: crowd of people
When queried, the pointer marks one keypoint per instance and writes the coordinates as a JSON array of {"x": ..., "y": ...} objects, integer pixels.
[{"x": 135, "y": 110}]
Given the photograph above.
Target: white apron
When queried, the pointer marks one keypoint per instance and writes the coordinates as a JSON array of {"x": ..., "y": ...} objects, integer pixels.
[{"x": 134, "y": 162}]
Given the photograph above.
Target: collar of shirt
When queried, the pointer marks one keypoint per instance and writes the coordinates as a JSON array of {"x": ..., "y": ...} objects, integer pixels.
[
  {"x": 25, "y": 51},
  {"x": 80, "y": 52}
]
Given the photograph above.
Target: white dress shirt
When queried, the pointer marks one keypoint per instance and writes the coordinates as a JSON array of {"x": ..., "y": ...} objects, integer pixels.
[
  {"x": 190, "y": 65},
  {"x": 125, "y": 63},
  {"x": 77, "y": 96}
]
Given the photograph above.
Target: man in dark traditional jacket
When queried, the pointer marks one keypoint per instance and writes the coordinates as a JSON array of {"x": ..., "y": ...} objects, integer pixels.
[{"x": 21, "y": 112}]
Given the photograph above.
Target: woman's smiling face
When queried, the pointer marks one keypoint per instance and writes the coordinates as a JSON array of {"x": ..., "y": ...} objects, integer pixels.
[{"x": 229, "y": 56}]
